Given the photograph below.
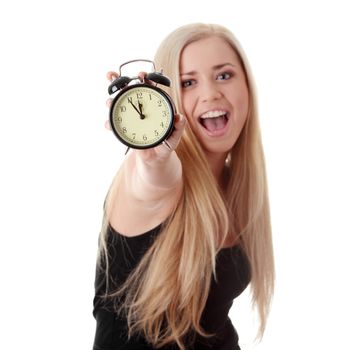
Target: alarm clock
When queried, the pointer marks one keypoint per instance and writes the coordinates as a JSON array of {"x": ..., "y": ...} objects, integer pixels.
[{"x": 141, "y": 114}]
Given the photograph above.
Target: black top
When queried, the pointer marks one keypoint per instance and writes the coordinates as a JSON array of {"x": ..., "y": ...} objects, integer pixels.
[{"x": 233, "y": 276}]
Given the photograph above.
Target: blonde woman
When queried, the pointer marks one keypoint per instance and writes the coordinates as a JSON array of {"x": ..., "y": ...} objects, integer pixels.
[{"x": 187, "y": 228}]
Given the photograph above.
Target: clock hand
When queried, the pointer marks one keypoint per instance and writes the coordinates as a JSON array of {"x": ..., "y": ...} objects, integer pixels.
[
  {"x": 135, "y": 108},
  {"x": 141, "y": 115},
  {"x": 140, "y": 107}
]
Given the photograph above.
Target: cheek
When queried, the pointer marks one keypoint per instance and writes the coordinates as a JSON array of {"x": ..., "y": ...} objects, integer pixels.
[
  {"x": 185, "y": 102},
  {"x": 188, "y": 105},
  {"x": 242, "y": 105}
]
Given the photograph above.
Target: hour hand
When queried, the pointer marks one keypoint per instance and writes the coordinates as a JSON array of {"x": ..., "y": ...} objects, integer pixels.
[{"x": 140, "y": 108}]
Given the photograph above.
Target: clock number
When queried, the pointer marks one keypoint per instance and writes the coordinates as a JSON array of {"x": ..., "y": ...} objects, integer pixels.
[
  {"x": 144, "y": 137},
  {"x": 122, "y": 109},
  {"x": 156, "y": 133},
  {"x": 124, "y": 130},
  {"x": 164, "y": 113},
  {"x": 162, "y": 125},
  {"x": 133, "y": 136},
  {"x": 119, "y": 119},
  {"x": 139, "y": 95},
  {"x": 159, "y": 103},
  {"x": 130, "y": 99},
  {"x": 150, "y": 96}
]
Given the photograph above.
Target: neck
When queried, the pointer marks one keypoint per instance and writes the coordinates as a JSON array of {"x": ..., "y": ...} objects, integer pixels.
[{"x": 217, "y": 164}]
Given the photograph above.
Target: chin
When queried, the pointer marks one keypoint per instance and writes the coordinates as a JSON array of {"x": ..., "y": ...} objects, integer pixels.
[{"x": 218, "y": 147}]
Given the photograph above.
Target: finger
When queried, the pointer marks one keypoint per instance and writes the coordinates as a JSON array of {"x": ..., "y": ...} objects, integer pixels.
[
  {"x": 109, "y": 102},
  {"x": 175, "y": 137},
  {"x": 142, "y": 76},
  {"x": 108, "y": 125},
  {"x": 111, "y": 75},
  {"x": 180, "y": 121}
]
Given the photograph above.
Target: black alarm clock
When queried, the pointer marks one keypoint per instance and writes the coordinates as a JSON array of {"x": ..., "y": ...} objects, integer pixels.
[{"x": 141, "y": 114}]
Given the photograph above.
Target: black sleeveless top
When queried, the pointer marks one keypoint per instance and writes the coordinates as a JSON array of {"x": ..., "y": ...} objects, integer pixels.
[{"x": 233, "y": 276}]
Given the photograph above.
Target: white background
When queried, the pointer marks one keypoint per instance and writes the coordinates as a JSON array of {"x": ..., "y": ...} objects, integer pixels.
[{"x": 57, "y": 160}]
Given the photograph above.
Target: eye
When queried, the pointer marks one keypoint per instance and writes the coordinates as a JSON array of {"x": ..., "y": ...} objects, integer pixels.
[
  {"x": 187, "y": 83},
  {"x": 224, "y": 76}
]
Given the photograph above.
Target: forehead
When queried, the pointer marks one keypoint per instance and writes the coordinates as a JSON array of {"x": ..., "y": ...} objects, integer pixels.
[{"x": 207, "y": 53}]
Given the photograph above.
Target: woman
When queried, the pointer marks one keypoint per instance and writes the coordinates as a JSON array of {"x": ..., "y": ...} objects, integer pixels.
[{"x": 187, "y": 228}]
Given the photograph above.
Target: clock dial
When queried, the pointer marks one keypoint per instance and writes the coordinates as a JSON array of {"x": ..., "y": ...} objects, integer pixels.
[{"x": 142, "y": 116}]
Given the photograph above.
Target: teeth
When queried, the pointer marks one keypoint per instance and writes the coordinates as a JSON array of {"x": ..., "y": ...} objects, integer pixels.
[{"x": 212, "y": 114}]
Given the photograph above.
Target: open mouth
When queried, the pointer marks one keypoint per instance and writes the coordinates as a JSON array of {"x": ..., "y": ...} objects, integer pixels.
[{"x": 214, "y": 120}]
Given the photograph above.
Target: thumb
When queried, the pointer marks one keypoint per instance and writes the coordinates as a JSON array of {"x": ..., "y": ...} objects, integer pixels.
[{"x": 179, "y": 127}]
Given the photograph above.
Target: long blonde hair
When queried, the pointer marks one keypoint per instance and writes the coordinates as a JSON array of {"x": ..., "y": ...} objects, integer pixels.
[{"x": 165, "y": 298}]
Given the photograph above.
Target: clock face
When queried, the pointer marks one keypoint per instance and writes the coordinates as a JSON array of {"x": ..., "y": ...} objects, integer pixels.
[{"x": 142, "y": 116}]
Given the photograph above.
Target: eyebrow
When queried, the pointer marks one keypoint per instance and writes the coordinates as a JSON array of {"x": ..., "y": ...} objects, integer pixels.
[{"x": 216, "y": 67}]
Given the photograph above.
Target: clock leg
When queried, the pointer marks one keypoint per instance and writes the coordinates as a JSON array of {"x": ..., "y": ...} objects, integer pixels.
[{"x": 166, "y": 143}]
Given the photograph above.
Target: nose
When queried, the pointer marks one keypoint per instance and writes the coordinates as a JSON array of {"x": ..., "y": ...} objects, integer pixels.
[{"x": 209, "y": 91}]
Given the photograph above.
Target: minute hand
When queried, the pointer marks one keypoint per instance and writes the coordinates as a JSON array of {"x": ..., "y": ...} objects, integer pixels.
[{"x": 136, "y": 109}]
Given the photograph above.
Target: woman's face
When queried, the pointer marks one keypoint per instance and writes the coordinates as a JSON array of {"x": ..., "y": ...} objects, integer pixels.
[{"x": 214, "y": 93}]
